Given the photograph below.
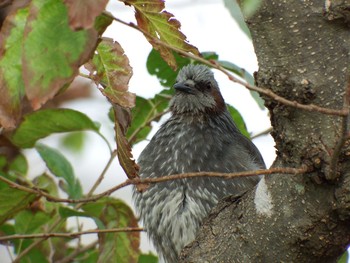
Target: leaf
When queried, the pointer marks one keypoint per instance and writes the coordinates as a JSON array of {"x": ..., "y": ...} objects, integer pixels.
[
  {"x": 60, "y": 167},
  {"x": 74, "y": 141},
  {"x": 247, "y": 77},
  {"x": 210, "y": 55},
  {"x": 13, "y": 201},
  {"x": 156, "y": 65},
  {"x": 66, "y": 212},
  {"x": 19, "y": 165},
  {"x": 102, "y": 22},
  {"x": 46, "y": 183},
  {"x": 42, "y": 123},
  {"x": 11, "y": 82},
  {"x": 237, "y": 117},
  {"x": 125, "y": 156},
  {"x": 82, "y": 13},
  {"x": 236, "y": 13},
  {"x": 115, "y": 213},
  {"x": 160, "y": 25},
  {"x": 344, "y": 258},
  {"x": 110, "y": 67},
  {"x": 249, "y": 7},
  {"x": 27, "y": 222},
  {"x": 146, "y": 111},
  {"x": 50, "y": 64},
  {"x": 148, "y": 258}
]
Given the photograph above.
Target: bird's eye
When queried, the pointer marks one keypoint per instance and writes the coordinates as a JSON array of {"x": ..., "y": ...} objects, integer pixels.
[{"x": 208, "y": 86}]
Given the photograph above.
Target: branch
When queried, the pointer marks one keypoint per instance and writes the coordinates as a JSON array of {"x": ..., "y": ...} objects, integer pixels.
[
  {"x": 214, "y": 64},
  {"x": 333, "y": 166},
  {"x": 53, "y": 199},
  {"x": 102, "y": 175},
  {"x": 137, "y": 181},
  {"x": 265, "y": 132},
  {"x": 71, "y": 235}
]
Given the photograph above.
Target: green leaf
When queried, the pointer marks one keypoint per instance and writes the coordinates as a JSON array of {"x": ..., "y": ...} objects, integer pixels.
[
  {"x": 156, "y": 65},
  {"x": 42, "y": 123},
  {"x": 148, "y": 258},
  {"x": 115, "y": 213},
  {"x": 28, "y": 222},
  {"x": 45, "y": 182},
  {"x": 237, "y": 15},
  {"x": 52, "y": 51},
  {"x": 3, "y": 161},
  {"x": 11, "y": 81},
  {"x": 7, "y": 229},
  {"x": 89, "y": 256},
  {"x": 66, "y": 212},
  {"x": 237, "y": 117},
  {"x": 249, "y": 7},
  {"x": 19, "y": 165},
  {"x": 110, "y": 67},
  {"x": 208, "y": 55},
  {"x": 241, "y": 72},
  {"x": 161, "y": 25},
  {"x": 146, "y": 111},
  {"x": 13, "y": 201},
  {"x": 344, "y": 258},
  {"x": 102, "y": 22},
  {"x": 60, "y": 167},
  {"x": 74, "y": 141}
]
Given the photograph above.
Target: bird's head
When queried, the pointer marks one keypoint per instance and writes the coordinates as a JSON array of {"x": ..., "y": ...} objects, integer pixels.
[{"x": 196, "y": 92}]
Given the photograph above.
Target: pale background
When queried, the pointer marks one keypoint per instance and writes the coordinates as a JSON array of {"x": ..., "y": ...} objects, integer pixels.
[{"x": 209, "y": 26}]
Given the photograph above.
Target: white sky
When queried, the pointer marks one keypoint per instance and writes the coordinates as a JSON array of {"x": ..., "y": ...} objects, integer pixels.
[{"x": 208, "y": 26}]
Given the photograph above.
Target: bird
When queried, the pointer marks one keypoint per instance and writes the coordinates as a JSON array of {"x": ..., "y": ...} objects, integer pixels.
[{"x": 199, "y": 136}]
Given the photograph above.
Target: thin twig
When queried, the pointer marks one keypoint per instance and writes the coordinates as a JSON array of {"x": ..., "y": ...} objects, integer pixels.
[
  {"x": 102, "y": 175},
  {"x": 264, "y": 132},
  {"x": 136, "y": 181},
  {"x": 214, "y": 64},
  {"x": 71, "y": 235}
]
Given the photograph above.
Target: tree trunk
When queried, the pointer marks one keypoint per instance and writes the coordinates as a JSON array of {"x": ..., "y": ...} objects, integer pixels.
[{"x": 303, "y": 49}]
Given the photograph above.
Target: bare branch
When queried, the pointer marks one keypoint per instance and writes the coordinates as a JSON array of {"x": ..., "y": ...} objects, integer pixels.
[
  {"x": 76, "y": 252},
  {"x": 102, "y": 175},
  {"x": 265, "y": 132},
  {"x": 71, "y": 235},
  {"x": 137, "y": 181}
]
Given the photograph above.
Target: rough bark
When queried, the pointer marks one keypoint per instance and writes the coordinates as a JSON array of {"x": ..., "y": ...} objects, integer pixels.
[{"x": 303, "y": 50}]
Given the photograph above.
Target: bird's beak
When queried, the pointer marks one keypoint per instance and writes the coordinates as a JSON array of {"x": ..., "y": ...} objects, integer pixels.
[{"x": 184, "y": 88}]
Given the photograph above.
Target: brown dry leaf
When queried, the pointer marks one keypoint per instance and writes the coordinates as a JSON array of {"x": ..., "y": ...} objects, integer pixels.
[
  {"x": 82, "y": 13},
  {"x": 122, "y": 120}
]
